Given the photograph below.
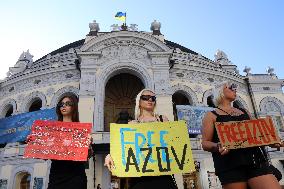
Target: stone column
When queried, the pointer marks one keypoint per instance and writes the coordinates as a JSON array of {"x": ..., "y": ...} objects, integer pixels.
[
  {"x": 102, "y": 174},
  {"x": 160, "y": 67},
  {"x": 87, "y": 95}
]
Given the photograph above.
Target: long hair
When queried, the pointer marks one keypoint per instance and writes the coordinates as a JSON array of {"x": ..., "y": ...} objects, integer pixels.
[
  {"x": 218, "y": 92},
  {"x": 75, "y": 113},
  {"x": 137, "y": 106}
]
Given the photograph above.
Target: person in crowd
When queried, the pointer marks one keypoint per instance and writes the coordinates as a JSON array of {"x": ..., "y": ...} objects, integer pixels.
[
  {"x": 145, "y": 112},
  {"x": 238, "y": 168},
  {"x": 67, "y": 174},
  {"x": 99, "y": 186},
  {"x": 124, "y": 117}
]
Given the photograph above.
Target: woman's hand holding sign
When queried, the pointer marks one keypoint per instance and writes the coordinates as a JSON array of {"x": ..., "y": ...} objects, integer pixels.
[
  {"x": 221, "y": 149},
  {"x": 30, "y": 138},
  {"x": 109, "y": 162}
]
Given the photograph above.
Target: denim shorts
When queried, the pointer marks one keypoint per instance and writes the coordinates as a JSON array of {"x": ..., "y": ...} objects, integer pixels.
[{"x": 243, "y": 173}]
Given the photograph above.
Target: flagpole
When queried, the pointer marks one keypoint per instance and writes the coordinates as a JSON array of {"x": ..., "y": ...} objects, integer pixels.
[{"x": 125, "y": 19}]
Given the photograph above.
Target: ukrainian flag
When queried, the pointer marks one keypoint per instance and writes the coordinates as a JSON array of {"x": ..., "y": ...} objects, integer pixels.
[{"x": 120, "y": 16}]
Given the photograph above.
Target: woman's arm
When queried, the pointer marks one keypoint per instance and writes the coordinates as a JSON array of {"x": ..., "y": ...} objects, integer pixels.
[{"x": 207, "y": 135}]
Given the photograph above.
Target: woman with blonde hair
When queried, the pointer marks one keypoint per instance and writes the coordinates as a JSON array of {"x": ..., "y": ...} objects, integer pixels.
[
  {"x": 145, "y": 112},
  {"x": 238, "y": 168}
]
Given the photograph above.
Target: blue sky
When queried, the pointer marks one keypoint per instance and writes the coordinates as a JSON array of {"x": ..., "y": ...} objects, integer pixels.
[{"x": 250, "y": 32}]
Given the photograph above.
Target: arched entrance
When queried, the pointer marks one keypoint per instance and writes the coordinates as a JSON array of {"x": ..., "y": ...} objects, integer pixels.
[
  {"x": 210, "y": 102},
  {"x": 22, "y": 180},
  {"x": 35, "y": 105},
  {"x": 9, "y": 110},
  {"x": 120, "y": 94},
  {"x": 180, "y": 98}
]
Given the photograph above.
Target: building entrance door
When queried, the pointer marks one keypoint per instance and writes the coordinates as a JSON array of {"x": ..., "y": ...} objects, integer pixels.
[{"x": 120, "y": 93}]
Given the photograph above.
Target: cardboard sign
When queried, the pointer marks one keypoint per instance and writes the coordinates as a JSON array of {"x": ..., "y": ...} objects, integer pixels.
[
  {"x": 150, "y": 149},
  {"x": 59, "y": 140},
  {"x": 244, "y": 134}
]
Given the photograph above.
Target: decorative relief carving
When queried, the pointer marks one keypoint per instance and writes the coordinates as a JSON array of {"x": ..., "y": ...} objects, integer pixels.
[
  {"x": 271, "y": 104},
  {"x": 46, "y": 80},
  {"x": 5, "y": 105},
  {"x": 161, "y": 80},
  {"x": 27, "y": 102},
  {"x": 202, "y": 78},
  {"x": 88, "y": 82},
  {"x": 50, "y": 92},
  {"x": 222, "y": 58},
  {"x": 25, "y": 60},
  {"x": 125, "y": 38},
  {"x": 21, "y": 97},
  {"x": 266, "y": 90},
  {"x": 198, "y": 89},
  {"x": 124, "y": 52}
]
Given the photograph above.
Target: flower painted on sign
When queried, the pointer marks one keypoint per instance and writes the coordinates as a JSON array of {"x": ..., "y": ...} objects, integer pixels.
[
  {"x": 67, "y": 142},
  {"x": 50, "y": 141}
]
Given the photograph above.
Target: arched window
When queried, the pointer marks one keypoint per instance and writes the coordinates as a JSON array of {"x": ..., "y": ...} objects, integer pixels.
[
  {"x": 9, "y": 111},
  {"x": 35, "y": 105},
  {"x": 25, "y": 182},
  {"x": 120, "y": 95},
  {"x": 22, "y": 180},
  {"x": 210, "y": 102},
  {"x": 179, "y": 98}
]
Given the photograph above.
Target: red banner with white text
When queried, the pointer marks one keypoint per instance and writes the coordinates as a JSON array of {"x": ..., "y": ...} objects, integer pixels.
[{"x": 59, "y": 140}]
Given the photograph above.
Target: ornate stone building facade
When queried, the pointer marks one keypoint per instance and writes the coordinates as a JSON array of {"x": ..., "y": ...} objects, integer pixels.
[{"x": 106, "y": 70}]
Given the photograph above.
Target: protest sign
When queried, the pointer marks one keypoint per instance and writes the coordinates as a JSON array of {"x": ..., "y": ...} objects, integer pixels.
[
  {"x": 16, "y": 128},
  {"x": 59, "y": 140},
  {"x": 249, "y": 133},
  {"x": 149, "y": 149}
]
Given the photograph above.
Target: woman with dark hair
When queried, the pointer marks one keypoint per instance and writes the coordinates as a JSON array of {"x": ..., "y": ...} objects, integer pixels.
[
  {"x": 237, "y": 168},
  {"x": 67, "y": 174},
  {"x": 145, "y": 112}
]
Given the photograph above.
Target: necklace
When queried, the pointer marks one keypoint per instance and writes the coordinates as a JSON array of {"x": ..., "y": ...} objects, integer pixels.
[
  {"x": 233, "y": 113},
  {"x": 223, "y": 110}
]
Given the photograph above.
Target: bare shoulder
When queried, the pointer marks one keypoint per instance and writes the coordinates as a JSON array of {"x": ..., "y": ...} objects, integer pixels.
[{"x": 209, "y": 116}]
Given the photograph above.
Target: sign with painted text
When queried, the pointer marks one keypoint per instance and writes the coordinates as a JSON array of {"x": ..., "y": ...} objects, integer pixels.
[
  {"x": 16, "y": 128},
  {"x": 150, "y": 149},
  {"x": 59, "y": 140},
  {"x": 249, "y": 133}
]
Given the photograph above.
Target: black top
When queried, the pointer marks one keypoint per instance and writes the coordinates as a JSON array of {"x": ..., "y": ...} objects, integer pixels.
[
  {"x": 67, "y": 174},
  {"x": 254, "y": 156}
]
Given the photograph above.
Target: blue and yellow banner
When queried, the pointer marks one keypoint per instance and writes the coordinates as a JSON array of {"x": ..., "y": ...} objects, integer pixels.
[
  {"x": 193, "y": 116},
  {"x": 16, "y": 128}
]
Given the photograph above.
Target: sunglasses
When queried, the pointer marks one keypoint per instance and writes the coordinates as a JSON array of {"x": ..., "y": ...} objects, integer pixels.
[
  {"x": 67, "y": 103},
  {"x": 233, "y": 87},
  {"x": 147, "y": 97}
]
